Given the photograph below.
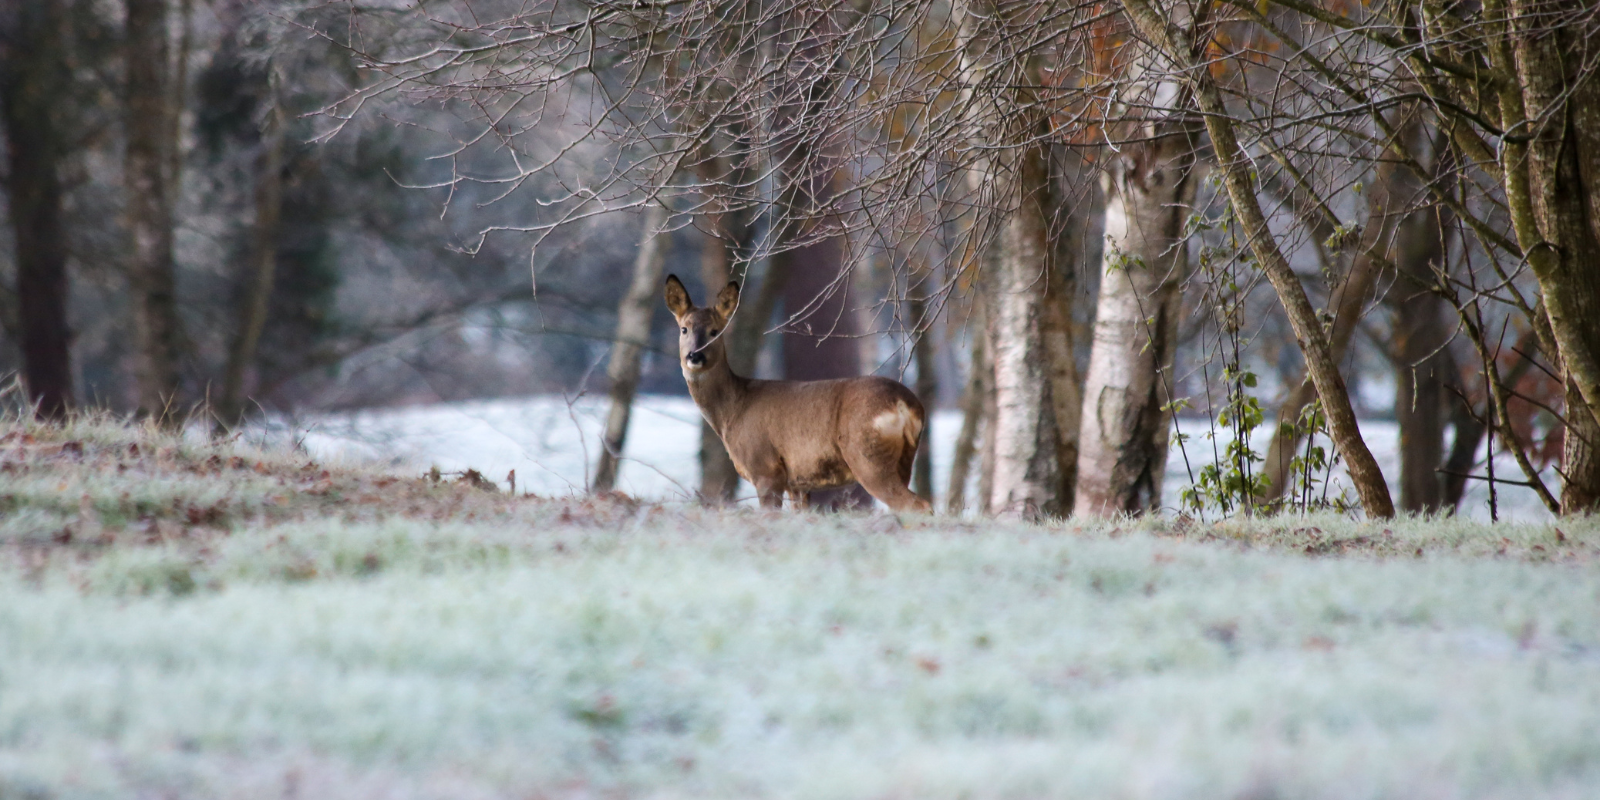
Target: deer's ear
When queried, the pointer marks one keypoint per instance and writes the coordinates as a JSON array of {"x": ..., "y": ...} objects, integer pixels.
[
  {"x": 677, "y": 297},
  {"x": 728, "y": 300}
]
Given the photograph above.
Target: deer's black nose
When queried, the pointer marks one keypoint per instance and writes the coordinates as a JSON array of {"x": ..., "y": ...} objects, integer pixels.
[{"x": 696, "y": 358}]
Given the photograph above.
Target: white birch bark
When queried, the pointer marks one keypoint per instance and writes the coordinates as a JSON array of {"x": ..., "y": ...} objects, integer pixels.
[
  {"x": 1126, "y": 418},
  {"x": 1026, "y": 463},
  {"x": 1024, "y": 479}
]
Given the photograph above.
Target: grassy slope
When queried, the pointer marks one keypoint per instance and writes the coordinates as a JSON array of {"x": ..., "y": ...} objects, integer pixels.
[{"x": 178, "y": 619}]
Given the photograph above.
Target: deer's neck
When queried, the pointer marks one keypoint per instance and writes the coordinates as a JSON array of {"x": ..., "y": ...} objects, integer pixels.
[{"x": 719, "y": 393}]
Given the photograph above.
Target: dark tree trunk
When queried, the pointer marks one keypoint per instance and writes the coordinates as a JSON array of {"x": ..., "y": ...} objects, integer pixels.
[
  {"x": 1068, "y": 224},
  {"x": 979, "y": 378},
  {"x": 927, "y": 389},
  {"x": 1467, "y": 433},
  {"x": 1422, "y": 369},
  {"x": 1422, "y": 330},
  {"x": 259, "y": 276},
  {"x": 148, "y": 196},
  {"x": 31, "y": 79}
]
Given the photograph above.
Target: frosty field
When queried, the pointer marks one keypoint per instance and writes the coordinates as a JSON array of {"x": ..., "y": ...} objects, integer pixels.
[{"x": 181, "y": 620}]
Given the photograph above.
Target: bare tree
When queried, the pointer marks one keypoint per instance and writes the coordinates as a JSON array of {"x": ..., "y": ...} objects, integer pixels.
[
  {"x": 633, "y": 337},
  {"x": 262, "y": 263},
  {"x": 719, "y": 479},
  {"x": 1178, "y": 44},
  {"x": 1423, "y": 325},
  {"x": 1026, "y": 476},
  {"x": 146, "y": 169},
  {"x": 33, "y": 77},
  {"x": 974, "y": 398},
  {"x": 927, "y": 385}
]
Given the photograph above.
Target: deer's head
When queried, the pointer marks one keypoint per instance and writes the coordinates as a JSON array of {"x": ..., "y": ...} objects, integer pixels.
[{"x": 701, "y": 343}]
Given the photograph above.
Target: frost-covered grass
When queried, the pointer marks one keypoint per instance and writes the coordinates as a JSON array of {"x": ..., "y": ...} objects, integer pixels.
[{"x": 179, "y": 619}]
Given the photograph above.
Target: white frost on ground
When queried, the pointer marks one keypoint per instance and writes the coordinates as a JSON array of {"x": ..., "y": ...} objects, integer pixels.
[
  {"x": 553, "y": 444},
  {"x": 697, "y": 654},
  {"x": 432, "y": 641}
]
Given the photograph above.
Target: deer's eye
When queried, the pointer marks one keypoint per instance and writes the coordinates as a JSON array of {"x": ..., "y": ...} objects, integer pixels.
[
  {"x": 713, "y": 331},
  {"x": 683, "y": 330}
]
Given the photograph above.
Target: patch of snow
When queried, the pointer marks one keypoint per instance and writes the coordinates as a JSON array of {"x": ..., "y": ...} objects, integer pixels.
[{"x": 553, "y": 445}]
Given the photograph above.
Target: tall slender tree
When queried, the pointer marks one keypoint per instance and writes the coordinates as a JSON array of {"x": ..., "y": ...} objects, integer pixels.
[
  {"x": 633, "y": 337},
  {"x": 1006, "y": 108},
  {"x": 33, "y": 78},
  {"x": 148, "y": 198},
  {"x": 262, "y": 261}
]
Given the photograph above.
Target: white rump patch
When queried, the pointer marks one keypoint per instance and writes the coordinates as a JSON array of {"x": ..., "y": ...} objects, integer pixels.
[{"x": 897, "y": 422}]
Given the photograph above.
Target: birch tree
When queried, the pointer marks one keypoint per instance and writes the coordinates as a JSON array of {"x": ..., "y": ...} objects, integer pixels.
[
  {"x": 1149, "y": 184},
  {"x": 1004, "y": 109}
]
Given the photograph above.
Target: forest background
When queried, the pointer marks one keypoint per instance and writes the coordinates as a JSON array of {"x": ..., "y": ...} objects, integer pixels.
[{"x": 1071, "y": 221}]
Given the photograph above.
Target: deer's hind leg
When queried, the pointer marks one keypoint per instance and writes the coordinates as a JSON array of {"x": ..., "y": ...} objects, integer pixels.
[
  {"x": 770, "y": 488},
  {"x": 887, "y": 486},
  {"x": 886, "y": 474}
]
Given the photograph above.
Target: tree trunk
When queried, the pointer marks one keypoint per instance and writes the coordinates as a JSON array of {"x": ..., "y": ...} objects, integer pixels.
[
  {"x": 927, "y": 389},
  {"x": 1127, "y": 398},
  {"x": 719, "y": 480},
  {"x": 633, "y": 336},
  {"x": 1349, "y": 303},
  {"x": 157, "y": 333},
  {"x": 32, "y": 77},
  {"x": 1423, "y": 367},
  {"x": 1240, "y": 183},
  {"x": 729, "y": 233},
  {"x": 1468, "y": 430},
  {"x": 1008, "y": 179},
  {"x": 1066, "y": 235},
  {"x": 257, "y": 296},
  {"x": 1553, "y": 190},
  {"x": 1027, "y": 476},
  {"x": 972, "y": 416},
  {"x": 987, "y": 455}
]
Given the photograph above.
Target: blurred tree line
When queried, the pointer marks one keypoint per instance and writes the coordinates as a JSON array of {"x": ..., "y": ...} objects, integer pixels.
[{"x": 177, "y": 237}]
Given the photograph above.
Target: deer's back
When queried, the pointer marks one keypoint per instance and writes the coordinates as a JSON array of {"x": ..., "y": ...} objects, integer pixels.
[{"x": 808, "y": 427}]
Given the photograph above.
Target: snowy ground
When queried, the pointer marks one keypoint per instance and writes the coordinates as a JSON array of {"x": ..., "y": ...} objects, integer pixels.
[
  {"x": 552, "y": 446},
  {"x": 192, "y": 619}
]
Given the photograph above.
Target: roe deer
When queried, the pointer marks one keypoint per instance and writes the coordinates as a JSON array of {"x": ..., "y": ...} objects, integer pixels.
[{"x": 796, "y": 436}]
